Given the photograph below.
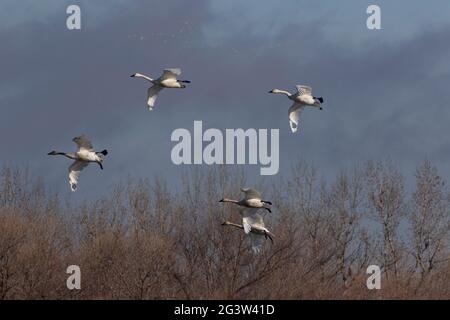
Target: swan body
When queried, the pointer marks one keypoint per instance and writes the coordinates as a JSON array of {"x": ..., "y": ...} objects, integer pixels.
[
  {"x": 302, "y": 98},
  {"x": 167, "y": 80},
  {"x": 254, "y": 227},
  {"x": 84, "y": 155},
  {"x": 252, "y": 222},
  {"x": 251, "y": 202}
]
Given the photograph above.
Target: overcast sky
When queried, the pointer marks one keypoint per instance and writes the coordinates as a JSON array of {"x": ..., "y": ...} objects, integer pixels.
[{"x": 386, "y": 91}]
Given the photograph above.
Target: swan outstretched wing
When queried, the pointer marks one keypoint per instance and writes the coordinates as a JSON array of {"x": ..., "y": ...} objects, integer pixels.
[
  {"x": 74, "y": 172},
  {"x": 294, "y": 116},
  {"x": 253, "y": 226},
  {"x": 257, "y": 241},
  {"x": 246, "y": 223},
  {"x": 247, "y": 211},
  {"x": 256, "y": 220},
  {"x": 152, "y": 94},
  {"x": 252, "y": 221},
  {"x": 304, "y": 90},
  {"x": 251, "y": 193},
  {"x": 171, "y": 73},
  {"x": 83, "y": 143}
]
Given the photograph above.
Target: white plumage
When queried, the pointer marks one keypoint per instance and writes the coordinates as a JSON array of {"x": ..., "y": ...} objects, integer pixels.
[
  {"x": 84, "y": 155},
  {"x": 252, "y": 222},
  {"x": 74, "y": 172},
  {"x": 168, "y": 79},
  {"x": 302, "y": 98},
  {"x": 253, "y": 226}
]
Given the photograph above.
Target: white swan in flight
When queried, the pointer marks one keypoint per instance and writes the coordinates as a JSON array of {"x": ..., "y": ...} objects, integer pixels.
[
  {"x": 83, "y": 156},
  {"x": 252, "y": 201},
  {"x": 167, "y": 80},
  {"x": 253, "y": 226},
  {"x": 303, "y": 97},
  {"x": 252, "y": 222}
]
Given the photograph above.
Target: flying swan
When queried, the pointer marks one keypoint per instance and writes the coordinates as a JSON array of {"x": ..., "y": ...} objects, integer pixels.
[
  {"x": 83, "y": 156},
  {"x": 303, "y": 97},
  {"x": 167, "y": 80},
  {"x": 252, "y": 222},
  {"x": 251, "y": 202},
  {"x": 253, "y": 226}
]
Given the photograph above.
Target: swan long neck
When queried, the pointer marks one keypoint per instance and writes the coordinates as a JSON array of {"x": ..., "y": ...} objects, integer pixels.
[
  {"x": 229, "y": 200},
  {"x": 67, "y": 155},
  {"x": 282, "y": 92},
  {"x": 227, "y": 223},
  {"x": 140, "y": 75},
  {"x": 285, "y": 92},
  {"x": 70, "y": 156}
]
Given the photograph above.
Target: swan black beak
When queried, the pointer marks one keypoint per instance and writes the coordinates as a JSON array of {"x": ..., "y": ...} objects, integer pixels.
[
  {"x": 221, "y": 200},
  {"x": 133, "y": 75}
]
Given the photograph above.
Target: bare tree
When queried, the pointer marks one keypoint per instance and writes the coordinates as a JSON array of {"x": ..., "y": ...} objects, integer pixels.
[
  {"x": 430, "y": 219},
  {"x": 145, "y": 240},
  {"x": 385, "y": 197},
  {"x": 346, "y": 198}
]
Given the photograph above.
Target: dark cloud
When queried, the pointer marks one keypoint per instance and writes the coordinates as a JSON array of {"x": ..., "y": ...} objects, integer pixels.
[{"x": 383, "y": 98}]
